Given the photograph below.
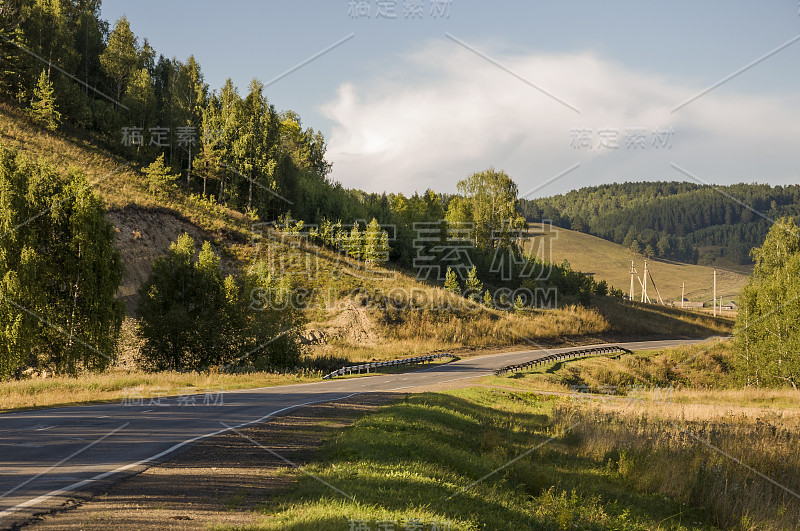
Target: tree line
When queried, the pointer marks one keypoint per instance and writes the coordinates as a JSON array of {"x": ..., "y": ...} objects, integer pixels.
[{"x": 673, "y": 220}]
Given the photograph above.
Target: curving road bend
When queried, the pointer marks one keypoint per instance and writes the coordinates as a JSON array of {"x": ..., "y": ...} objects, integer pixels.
[{"x": 48, "y": 456}]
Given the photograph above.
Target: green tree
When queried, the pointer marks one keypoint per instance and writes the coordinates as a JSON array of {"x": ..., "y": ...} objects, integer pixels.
[
  {"x": 601, "y": 288},
  {"x": 767, "y": 337},
  {"x": 159, "y": 180},
  {"x": 491, "y": 197},
  {"x": 383, "y": 247},
  {"x": 48, "y": 27},
  {"x": 451, "y": 283},
  {"x": 59, "y": 271},
  {"x": 355, "y": 242},
  {"x": 193, "y": 318},
  {"x": 43, "y": 105},
  {"x": 255, "y": 142},
  {"x": 663, "y": 246},
  {"x": 141, "y": 99},
  {"x": 473, "y": 285},
  {"x": 636, "y": 248},
  {"x": 184, "y": 319},
  {"x": 648, "y": 251},
  {"x": 269, "y": 321},
  {"x": 375, "y": 243},
  {"x": 121, "y": 56},
  {"x": 487, "y": 299}
]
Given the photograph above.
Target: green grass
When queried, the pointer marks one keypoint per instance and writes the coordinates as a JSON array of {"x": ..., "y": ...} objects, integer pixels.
[
  {"x": 413, "y": 460},
  {"x": 612, "y": 262},
  {"x": 706, "y": 365},
  {"x": 635, "y": 318}
]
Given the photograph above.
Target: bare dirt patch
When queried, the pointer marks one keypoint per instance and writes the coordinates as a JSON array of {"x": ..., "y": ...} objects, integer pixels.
[
  {"x": 223, "y": 480},
  {"x": 351, "y": 322},
  {"x": 144, "y": 234}
]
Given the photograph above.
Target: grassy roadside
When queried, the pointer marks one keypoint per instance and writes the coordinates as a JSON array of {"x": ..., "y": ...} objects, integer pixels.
[
  {"x": 116, "y": 385},
  {"x": 587, "y": 462},
  {"x": 691, "y": 374},
  {"x": 417, "y": 460},
  {"x": 707, "y": 455}
]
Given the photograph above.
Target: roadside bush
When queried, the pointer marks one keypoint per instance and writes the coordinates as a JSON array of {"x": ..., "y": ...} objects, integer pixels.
[{"x": 192, "y": 318}]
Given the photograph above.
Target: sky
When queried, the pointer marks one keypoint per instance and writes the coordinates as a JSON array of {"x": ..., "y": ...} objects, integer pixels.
[{"x": 418, "y": 94}]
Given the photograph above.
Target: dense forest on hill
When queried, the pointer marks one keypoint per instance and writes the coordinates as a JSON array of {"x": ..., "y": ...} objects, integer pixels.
[{"x": 674, "y": 220}]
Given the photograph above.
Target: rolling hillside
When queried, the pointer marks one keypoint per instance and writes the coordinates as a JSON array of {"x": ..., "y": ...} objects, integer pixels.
[
  {"x": 611, "y": 262},
  {"x": 350, "y": 315}
]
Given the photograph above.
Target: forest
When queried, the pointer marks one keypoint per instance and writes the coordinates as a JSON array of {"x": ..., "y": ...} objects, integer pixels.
[{"x": 679, "y": 221}]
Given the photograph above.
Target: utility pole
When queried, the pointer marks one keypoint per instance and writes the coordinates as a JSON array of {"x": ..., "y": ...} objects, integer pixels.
[
  {"x": 631, "y": 295},
  {"x": 644, "y": 285},
  {"x": 715, "y": 292},
  {"x": 644, "y": 289},
  {"x": 683, "y": 290},
  {"x": 660, "y": 300}
]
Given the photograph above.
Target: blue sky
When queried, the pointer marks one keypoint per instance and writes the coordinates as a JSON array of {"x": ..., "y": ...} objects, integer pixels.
[{"x": 405, "y": 107}]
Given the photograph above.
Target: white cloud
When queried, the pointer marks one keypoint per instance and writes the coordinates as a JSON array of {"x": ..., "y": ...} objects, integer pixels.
[{"x": 441, "y": 112}]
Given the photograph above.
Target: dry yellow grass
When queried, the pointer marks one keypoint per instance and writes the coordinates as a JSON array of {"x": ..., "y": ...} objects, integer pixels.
[
  {"x": 114, "y": 385},
  {"x": 686, "y": 432},
  {"x": 739, "y": 464}
]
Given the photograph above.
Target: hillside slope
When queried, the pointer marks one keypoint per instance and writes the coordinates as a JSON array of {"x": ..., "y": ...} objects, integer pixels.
[
  {"x": 611, "y": 262},
  {"x": 683, "y": 221},
  {"x": 354, "y": 314}
]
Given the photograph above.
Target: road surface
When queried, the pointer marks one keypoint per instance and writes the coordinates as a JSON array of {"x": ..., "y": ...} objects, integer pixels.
[{"x": 48, "y": 456}]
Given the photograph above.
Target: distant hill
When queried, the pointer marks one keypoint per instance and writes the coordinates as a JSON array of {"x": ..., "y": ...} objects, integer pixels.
[
  {"x": 611, "y": 262},
  {"x": 680, "y": 221}
]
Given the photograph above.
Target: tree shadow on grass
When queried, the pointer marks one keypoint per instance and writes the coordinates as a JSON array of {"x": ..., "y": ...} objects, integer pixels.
[{"x": 417, "y": 454}]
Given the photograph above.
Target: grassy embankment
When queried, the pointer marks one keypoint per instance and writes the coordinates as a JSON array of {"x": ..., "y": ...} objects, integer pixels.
[{"x": 659, "y": 461}]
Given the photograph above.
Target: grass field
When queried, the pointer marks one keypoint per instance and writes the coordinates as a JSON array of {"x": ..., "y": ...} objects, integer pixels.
[
  {"x": 693, "y": 374},
  {"x": 508, "y": 455},
  {"x": 423, "y": 460},
  {"x": 611, "y": 262}
]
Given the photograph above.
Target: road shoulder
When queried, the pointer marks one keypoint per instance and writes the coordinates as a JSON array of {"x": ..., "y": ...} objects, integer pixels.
[{"x": 223, "y": 480}]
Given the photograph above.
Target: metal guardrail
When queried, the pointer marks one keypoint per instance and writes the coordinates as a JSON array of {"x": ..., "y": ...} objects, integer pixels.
[
  {"x": 392, "y": 363},
  {"x": 561, "y": 356}
]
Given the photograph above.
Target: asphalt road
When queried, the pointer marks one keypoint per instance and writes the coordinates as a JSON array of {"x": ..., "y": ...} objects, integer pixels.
[{"x": 48, "y": 456}]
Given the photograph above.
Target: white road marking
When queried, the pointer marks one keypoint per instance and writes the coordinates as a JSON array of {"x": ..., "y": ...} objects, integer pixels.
[{"x": 98, "y": 477}]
